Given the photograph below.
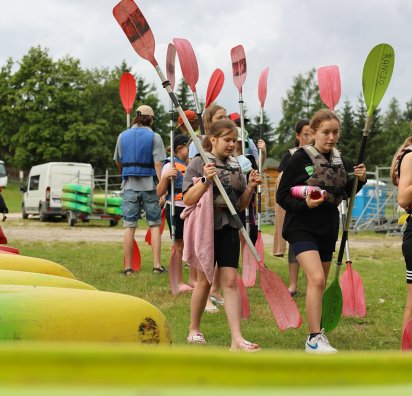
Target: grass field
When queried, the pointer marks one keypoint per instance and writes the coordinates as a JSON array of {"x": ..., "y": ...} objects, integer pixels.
[{"x": 382, "y": 271}]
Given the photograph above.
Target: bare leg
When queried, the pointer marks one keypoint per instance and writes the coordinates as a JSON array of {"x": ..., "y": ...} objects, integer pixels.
[
  {"x": 155, "y": 230},
  {"x": 198, "y": 302},
  {"x": 293, "y": 276},
  {"x": 215, "y": 289},
  {"x": 408, "y": 308},
  {"x": 315, "y": 274},
  {"x": 179, "y": 254},
  {"x": 128, "y": 241}
]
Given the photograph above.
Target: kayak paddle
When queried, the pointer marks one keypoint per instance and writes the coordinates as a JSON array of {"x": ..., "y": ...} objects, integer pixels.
[
  {"x": 214, "y": 87},
  {"x": 244, "y": 302},
  {"x": 377, "y": 73},
  {"x": 136, "y": 258},
  {"x": 3, "y": 238},
  {"x": 407, "y": 337},
  {"x": 127, "y": 89},
  {"x": 329, "y": 85},
  {"x": 138, "y": 32},
  {"x": 353, "y": 292},
  {"x": 190, "y": 71},
  {"x": 148, "y": 237}
]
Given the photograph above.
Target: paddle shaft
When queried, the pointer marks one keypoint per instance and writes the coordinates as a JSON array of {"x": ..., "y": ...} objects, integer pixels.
[
  {"x": 260, "y": 172},
  {"x": 205, "y": 159},
  {"x": 352, "y": 197},
  {"x": 172, "y": 180}
]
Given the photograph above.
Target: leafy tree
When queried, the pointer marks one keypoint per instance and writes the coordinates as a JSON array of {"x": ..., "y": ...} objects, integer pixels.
[
  {"x": 184, "y": 96},
  {"x": 267, "y": 134},
  {"x": 6, "y": 113},
  {"x": 301, "y": 101},
  {"x": 349, "y": 136}
]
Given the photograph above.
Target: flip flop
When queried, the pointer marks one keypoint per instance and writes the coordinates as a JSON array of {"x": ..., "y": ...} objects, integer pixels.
[
  {"x": 246, "y": 346},
  {"x": 212, "y": 310},
  {"x": 196, "y": 338},
  {"x": 185, "y": 288},
  {"x": 216, "y": 301}
]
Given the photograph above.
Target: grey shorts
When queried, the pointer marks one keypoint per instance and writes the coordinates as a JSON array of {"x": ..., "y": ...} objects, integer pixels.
[{"x": 134, "y": 201}]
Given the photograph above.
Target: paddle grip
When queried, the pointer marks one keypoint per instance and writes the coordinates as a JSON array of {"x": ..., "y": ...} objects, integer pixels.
[{"x": 199, "y": 114}]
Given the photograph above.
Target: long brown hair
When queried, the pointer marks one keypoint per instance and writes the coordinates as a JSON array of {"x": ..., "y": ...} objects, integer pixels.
[
  {"x": 395, "y": 160},
  {"x": 209, "y": 113},
  {"x": 218, "y": 129},
  {"x": 320, "y": 116}
]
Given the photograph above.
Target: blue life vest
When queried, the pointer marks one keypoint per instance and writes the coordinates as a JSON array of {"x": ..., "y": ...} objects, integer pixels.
[
  {"x": 181, "y": 168},
  {"x": 136, "y": 152}
]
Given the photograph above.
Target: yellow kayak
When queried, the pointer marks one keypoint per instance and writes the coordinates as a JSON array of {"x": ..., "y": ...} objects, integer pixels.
[
  {"x": 55, "y": 314},
  {"x": 8, "y": 277},
  {"x": 17, "y": 262}
]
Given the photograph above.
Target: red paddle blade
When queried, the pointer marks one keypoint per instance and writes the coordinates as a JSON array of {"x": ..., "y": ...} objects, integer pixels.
[
  {"x": 238, "y": 66},
  {"x": 353, "y": 293},
  {"x": 260, "y": 249},
  {"x": 215, "y": 86},
  {"x": 188, "y": 62},
  {"x": 407, "y": 337},
  {"x": 173, "y": 272},
  {"x": 148, "y": 237},
  {"x": 136, "y": 28},
  {"x": 244, "y": 302},
  {"x": 249, "y": 265},
  {"x": 9, "y": 249},
  {"x": 262, "y": 86},
  {"x": 329, "y": 85},
  {"x": 282, "y": 305},
  {"x": 136, "y": 258},
  {"x": 3, "y": 239},
  {"x": 170, "y": 64},
  {"x": 127, "y": 89}
]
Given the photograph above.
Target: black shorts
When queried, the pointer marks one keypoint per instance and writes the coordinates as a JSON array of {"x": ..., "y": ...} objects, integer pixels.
[
  {"x": 179, "y": 223},
  {"x": 407, "y": 250},
  {"x": 227, "y": 247},
  {"x": 304, "y": 246}
]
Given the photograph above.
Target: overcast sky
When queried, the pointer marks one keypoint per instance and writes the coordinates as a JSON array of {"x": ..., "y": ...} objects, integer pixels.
[{"x": 289, "y": 36}]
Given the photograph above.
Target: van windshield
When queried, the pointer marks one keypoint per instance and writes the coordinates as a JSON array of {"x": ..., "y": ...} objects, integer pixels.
[{"x": 2, "y": 171}]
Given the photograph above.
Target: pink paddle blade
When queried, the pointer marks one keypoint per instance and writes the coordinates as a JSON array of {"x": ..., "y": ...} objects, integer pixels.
[
  {"x": 329, "y": 85},
  {"x": 260, "y": 249},
  {"x": 407, "y": 337},
  {"x": 148, "y": 237},
  {"x": 170, "y": 64},
  {"x": 136, "y": 258},
  {"x": 214, "y": 87},
  {"x": 282, "y": 305},
  {"x": 136, "y": 28},
  {"x": 249, "y": 265},
  {"x": 173, "y": 272},
  {"x": 9, "y": 249},
  {"x": 3, "y": 239},
  {"x": 127, "y": 90},
  {"x": 238, "y": 66},
  {"x": 244, "y": 302},
  {"x": 188, "y": 62},
  {"x": 262, "y": 86},
  {"x": 353, "y": 293}
]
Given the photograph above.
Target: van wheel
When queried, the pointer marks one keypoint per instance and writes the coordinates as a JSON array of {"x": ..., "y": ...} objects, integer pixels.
[
  {"x": 42, "y": 215},
  {"x": 24, "y": 214}
]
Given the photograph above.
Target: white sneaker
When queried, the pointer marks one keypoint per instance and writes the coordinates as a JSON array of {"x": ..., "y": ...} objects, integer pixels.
[{"x": 319, "y": 344}]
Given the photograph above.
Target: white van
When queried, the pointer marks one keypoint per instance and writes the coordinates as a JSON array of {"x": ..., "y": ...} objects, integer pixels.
[
  {"x": 3, "y": 175},
  {"x": 42, "y": 195}
]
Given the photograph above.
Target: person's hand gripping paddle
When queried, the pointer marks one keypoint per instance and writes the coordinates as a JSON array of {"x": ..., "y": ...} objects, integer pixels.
[
  {"x": 127, "y": 91},
  {"x": 377, "y": 73},
  {"x": 138, "y": 32}
]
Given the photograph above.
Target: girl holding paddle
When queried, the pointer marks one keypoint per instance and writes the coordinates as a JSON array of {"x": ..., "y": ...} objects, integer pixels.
[
  {"x": 401, "y": 173},
  {"x": 220, "y": 144},
  {"x": 311, "y": 225}
]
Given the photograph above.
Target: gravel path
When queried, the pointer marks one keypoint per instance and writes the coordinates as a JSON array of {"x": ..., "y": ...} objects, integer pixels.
[{"x": 32, "y": 230}]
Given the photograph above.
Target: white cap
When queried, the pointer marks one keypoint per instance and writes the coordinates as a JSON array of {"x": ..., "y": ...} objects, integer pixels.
[{"x": 145, "y": 110}]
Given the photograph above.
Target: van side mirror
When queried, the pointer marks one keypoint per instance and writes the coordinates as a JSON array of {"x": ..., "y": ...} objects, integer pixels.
[{"x": 23, "y": 189}]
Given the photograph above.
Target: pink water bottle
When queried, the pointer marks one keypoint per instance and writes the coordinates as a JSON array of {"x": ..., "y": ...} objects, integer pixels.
[{"x": 301, "y": 192}]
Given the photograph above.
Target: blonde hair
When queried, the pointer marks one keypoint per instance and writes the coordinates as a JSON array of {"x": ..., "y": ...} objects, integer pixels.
[
  {"x": 320, "y": 116},
  {"x": 209, "y": 113},
  {"x": 218, "y": 129},
  {"x": 395, "y": 160}
]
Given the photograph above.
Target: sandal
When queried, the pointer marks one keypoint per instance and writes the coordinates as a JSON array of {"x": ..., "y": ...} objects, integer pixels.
[
  {"x": 196, "y": 338},
  {"x": 128, "y": 272},
  {"x": 212, "y": 310},
  {"x": 246, "y": 346},
  {"x": 159, "y": 270},
  {"x": 216, "y": 301}
]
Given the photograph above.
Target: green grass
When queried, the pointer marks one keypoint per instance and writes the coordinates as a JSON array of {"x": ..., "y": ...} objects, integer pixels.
[
  {"x": 382, "y": 271},
  {"x": 13, "y": 197}
]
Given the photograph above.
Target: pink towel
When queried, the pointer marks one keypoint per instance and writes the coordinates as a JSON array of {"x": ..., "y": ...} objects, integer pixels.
[{"x": 198, "y": 234}]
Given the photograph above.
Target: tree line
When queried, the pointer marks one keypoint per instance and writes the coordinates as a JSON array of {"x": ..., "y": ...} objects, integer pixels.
[{"x": 55, "y": 110}]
